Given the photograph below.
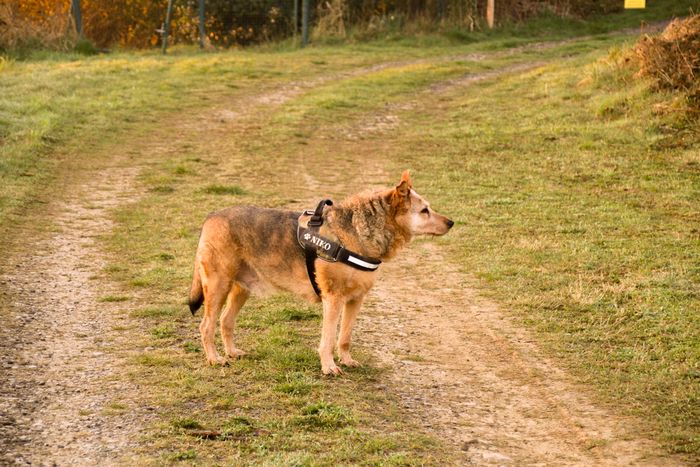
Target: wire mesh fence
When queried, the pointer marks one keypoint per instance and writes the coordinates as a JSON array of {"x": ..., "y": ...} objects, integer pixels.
[{"x": 139, "y": 23}]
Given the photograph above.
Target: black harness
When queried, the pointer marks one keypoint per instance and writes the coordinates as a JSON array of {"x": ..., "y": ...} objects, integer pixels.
[{"x": 316, "y": 246}]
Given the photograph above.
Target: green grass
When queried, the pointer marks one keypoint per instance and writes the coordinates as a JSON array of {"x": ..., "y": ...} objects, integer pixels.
[
  {"x": 186, "y": 423},
  {"x": 113, "y": 298},
  {"x": 223, "y": 190},
  {"x": 569, "y": 212},
  {"x": 274, "y": 404},
  {"x": 325, "y": 416}
]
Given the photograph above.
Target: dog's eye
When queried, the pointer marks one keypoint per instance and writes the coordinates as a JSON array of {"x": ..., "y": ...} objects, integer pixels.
[{"x": 425, "y": 211}]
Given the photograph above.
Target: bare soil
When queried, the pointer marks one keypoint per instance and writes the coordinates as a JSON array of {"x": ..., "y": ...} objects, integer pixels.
[
  {"x": 63, "y": 398},
  {"x": 480, "y": 381},
  {"x": 457, "y": 361}
]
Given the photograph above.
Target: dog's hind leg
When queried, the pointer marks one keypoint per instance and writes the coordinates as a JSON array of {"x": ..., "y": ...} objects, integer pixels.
[
  {"x": 236, "y": 299},
  {"x": 352, "y": 308},
  {"x": 215, "y": 285},
  {"x": 332, "y": 306}
]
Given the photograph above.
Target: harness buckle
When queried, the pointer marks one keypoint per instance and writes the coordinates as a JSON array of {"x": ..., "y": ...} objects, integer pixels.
[{"x": 317, "y": 219}]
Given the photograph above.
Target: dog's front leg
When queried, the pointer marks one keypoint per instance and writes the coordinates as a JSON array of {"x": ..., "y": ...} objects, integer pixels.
[
  {"x": 352, "y": 308},
  {"x": 332, "y": 306}
]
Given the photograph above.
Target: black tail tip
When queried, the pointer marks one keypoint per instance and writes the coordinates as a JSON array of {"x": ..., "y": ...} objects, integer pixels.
[{"x": 195, "y": 304}]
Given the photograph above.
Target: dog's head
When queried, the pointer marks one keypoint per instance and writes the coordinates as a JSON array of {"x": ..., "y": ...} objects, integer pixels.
[{"x": 414, "y": 213}]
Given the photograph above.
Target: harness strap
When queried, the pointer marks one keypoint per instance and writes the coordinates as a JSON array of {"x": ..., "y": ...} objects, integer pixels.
[
  {"x": 311, "y": 269},
  {"x": 313, "y": 243},
  {"x": 314, "y": 225}
]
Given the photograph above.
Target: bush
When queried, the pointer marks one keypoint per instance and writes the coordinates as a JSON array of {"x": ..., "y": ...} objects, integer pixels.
[
  {"x": 24, "y": 29},
  {"x": 672, "y": 61},
  {"x": 521, "y": 10},
  {"x": 672, "y": 58}
]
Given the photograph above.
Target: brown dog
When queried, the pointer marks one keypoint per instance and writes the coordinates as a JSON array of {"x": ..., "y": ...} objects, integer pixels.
[{"x": 247, "y": 249}]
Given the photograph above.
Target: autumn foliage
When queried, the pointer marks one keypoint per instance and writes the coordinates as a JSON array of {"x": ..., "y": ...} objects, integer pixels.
[
  {"x": 136, "y": 23},
  {"x": 36, "y": 24}
]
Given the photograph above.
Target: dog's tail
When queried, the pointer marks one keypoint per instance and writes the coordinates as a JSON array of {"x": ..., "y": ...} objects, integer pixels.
[{"x": 196, "y": 294}]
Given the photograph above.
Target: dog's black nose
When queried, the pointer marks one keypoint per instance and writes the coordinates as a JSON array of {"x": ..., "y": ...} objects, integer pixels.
[{"x": 450, "y": 223}]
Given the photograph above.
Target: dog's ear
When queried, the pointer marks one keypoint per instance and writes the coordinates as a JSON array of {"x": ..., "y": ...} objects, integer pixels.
[
  {"x": 405, "y": 185},
  {"x": 401, "y": 194}
]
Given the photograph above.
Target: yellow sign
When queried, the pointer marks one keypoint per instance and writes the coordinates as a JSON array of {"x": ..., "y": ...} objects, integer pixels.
[{"x": 629, "y": 4}]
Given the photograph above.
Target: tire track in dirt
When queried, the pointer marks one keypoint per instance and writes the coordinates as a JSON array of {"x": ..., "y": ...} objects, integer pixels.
[
  {"x": 480, "y": 381},
  {"x": 63, "y": 399},
  {"x": 62, "y": 346}
]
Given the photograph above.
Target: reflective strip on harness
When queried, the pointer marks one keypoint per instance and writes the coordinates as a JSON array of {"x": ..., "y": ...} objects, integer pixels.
[{"x": 364, "y": 264}]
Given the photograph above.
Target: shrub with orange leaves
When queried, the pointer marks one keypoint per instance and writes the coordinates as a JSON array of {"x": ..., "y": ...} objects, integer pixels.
[{"x": 37, "y": 24}]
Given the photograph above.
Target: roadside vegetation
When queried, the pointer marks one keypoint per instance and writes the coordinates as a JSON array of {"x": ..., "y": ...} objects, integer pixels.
[
  {"x": 576, "y": 201},
  {"x": 28, "y": 24}
]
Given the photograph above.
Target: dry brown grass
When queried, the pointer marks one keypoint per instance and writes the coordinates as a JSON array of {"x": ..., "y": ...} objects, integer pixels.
[
  {"x": 331, "y": 19},
  {"x": 672, "y": 58},
  {"x": 521, "y": 10},
  {"x": 52, "y": 29}
]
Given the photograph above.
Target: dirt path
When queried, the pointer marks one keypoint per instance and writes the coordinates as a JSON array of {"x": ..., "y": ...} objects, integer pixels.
[
  {"x": 480, "y": 381},
  {"x": 62, "y": 343},
  {"x": 457, "y": 361},
  {"x": 63, "y": 399}
]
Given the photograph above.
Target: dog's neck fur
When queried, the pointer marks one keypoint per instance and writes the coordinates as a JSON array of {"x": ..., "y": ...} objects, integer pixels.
[{"x": 366, "y": 224}]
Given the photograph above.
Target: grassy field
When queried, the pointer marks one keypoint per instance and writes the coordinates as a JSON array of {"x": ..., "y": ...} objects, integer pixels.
[
  {"x": 576, "y": 209},
  {"x": 583, "y": 222}
]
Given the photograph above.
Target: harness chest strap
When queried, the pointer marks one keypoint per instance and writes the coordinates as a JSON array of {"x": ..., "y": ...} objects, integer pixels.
[{"x": 317, "y": 246}]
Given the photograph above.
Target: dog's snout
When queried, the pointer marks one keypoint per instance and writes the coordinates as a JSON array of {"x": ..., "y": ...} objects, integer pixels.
[{"x": 450, "y": 223}]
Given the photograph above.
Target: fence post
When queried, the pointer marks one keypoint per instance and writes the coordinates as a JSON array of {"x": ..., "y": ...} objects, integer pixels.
[
  {"x": 295, "y": 15},
  {"x": 166, "y": 26},
  {"x": 202, "y": 32},
  {"x": 77, "y": 16},
  {"x": 304, "y": 22},
  {"x": 490, "y": 10},
  {"x": 441, "y": 9}
]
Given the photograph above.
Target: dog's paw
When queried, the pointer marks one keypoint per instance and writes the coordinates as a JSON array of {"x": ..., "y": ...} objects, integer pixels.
[
  {"x": 236, "y": 353},
  {"x": 332, "y": 369},
  {"x": 217, "y": 361},
  {"x": 349, "y": 362}
]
